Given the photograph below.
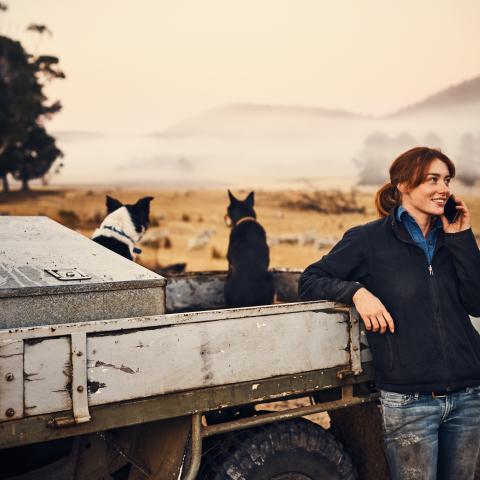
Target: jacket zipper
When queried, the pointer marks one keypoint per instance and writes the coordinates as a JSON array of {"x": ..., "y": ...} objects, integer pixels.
[
  {"x": 431, "y": 277},
  {"x": 436, "y": 307}
]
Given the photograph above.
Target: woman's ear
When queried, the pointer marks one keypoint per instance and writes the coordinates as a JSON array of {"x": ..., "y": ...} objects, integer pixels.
[{"x": 402, "y": 188}]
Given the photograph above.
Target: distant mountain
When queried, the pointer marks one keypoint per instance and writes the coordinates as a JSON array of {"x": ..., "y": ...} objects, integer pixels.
[
  {"x": 240, "y": 118},
  {"x": 266, "y": 109},
  {"x": 247, "y": 120},
  {"x": 463, "y": 93}
]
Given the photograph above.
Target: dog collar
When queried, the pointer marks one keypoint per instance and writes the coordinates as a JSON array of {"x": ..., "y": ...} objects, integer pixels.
[
  {"x": 246, "y": 219},
  {"x": 120, "y": 232},
  {"x": 135, "y": 250}
]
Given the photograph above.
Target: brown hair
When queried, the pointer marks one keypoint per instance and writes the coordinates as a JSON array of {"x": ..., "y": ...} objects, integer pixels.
[{"x": 409, "y": 168}]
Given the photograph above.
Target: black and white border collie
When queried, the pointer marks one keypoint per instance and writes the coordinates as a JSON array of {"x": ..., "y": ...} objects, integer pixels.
[{"x": 123, "y": 226}]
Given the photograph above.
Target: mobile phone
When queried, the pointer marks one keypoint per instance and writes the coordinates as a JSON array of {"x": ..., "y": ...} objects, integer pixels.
[{"x": 450, "y": 211}]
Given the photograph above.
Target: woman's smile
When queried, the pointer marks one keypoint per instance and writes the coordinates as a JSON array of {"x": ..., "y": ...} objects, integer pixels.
[{"x": 439, "y": 201}]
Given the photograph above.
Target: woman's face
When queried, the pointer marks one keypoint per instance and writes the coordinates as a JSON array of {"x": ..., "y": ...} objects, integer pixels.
[{"x": 430, "y": 196}]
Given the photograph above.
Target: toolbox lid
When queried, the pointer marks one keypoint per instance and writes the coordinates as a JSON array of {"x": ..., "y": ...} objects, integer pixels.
[{"x": 40, "y": 257}]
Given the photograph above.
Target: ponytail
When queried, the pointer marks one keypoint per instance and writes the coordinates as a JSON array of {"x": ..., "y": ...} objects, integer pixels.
[{"x": 387, "y": 198}]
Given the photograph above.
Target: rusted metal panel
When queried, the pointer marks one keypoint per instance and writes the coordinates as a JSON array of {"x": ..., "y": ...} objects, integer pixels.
[
  {"x": 115, "y": 287},
  {"x": 36, "y": 429},
  {"x": 48, "y": 376},
  {"x": 160, "y": 354},
  {"x": 168, "y": 353},
  {"x": 152, "y": 362},
  {"x": 286, "y": 284},
  {"x": 196, "y": 291},
  {"x": 11, "y": 379},
  {"x": 156, "y": 321}
]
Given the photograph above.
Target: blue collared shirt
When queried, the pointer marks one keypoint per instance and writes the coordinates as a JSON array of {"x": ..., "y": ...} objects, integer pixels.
[{"x": 426, "y": 244}]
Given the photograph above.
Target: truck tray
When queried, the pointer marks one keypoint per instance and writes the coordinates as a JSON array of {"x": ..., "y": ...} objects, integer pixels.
[{"x": 193, "y": 361}]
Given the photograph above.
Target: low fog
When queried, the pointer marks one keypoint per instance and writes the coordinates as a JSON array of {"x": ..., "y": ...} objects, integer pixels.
[{"x": 266, "y": 144}]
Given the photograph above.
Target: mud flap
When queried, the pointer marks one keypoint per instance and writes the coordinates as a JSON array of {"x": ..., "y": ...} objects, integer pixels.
[
  {"x": 160, "y": 448},
  {"x": 359, "y": 429}
]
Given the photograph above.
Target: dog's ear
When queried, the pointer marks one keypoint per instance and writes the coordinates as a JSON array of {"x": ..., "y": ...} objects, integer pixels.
[
  {"x": 250, "y": 200},
  {"x": 113, "y": 204},
  {"x": 144, "y": 204},
  {"x": 231, "y": 196}
]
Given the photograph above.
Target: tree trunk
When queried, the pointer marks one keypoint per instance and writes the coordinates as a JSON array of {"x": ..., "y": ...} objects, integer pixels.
[
  {"x": 25, "y": 187},
  {"x": 6, "y": 186}
]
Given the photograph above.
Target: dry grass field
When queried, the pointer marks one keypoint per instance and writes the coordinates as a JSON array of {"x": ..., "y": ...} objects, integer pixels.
[{"x": 297, "y": 236}]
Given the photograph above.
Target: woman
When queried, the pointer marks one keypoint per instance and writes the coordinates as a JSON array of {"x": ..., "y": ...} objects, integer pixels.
[{"x": 414, "y": 279}]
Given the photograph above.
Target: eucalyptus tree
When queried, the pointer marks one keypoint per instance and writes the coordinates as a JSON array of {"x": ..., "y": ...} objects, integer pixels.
[{"x": 27, "y": 151}]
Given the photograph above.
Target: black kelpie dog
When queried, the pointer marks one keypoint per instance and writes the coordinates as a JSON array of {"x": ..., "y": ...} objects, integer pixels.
[
  {"x": 248, "y": 281},
  {"x": 123, "y": 226}
]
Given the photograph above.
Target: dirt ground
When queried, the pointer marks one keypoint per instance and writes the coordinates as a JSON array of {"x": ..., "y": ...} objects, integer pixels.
[{"x": 297, "y": 236}]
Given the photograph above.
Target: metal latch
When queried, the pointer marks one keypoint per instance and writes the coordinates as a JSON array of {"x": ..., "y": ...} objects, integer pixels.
[
  {"x": 67, "y": 274},
  {"x": 81, "y": 414},
  {"x": 353, "y": 346}
]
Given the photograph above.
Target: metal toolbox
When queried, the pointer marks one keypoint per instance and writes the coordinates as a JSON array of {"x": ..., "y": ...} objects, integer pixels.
[{"x": 78, "y": 280}]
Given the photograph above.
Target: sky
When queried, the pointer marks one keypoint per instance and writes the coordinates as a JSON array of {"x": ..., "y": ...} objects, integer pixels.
[{"x": 143, "y": 66}]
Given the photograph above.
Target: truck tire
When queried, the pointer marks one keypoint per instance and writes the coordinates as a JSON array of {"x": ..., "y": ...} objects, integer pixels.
[{"x": 291, "y": 450}]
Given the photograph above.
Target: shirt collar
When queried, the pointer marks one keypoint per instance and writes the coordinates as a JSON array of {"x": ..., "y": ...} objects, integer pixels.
[{"x": 402, "y": 214}]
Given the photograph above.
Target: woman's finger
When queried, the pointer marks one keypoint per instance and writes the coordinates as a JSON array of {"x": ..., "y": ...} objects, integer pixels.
[
  {"x": 389, "y": 319},
  {"x": 375, "y": 325},
  {"x": 381, "y": 322},
  {"x": 462, "y": 206},
  {"x": 367, "y": 322}
]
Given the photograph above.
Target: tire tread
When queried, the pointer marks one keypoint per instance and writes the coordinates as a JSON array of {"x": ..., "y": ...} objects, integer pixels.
[{"x": 235, "y": 455}]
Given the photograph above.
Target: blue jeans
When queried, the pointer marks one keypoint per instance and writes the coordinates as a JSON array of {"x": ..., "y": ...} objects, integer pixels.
[{"x": 428, "y": 438}]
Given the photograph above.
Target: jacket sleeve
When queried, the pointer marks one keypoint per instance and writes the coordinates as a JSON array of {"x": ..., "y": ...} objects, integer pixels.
[
  {"x": 466, "y": 259},
  {"x": 338, "y": 274}
]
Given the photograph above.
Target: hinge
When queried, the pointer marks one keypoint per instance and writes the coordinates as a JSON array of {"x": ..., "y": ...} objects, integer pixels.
[
  {"x": 355, "y": 357},
  {"x": 79, "y": 377},
  {"x": 67, "y": 274},
  {"x": 81, "y": 414}
]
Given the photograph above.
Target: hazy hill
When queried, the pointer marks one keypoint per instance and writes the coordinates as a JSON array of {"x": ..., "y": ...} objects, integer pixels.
[
  {"x": 467, "y": 92},
  {"x": 242, "y": 118},
  {"x": 266, "y": 109}
]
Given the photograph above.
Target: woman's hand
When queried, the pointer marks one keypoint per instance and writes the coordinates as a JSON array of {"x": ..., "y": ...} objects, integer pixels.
[
  {"x": 461, "y": 223},
  {"x": 374, "y": 315}
]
